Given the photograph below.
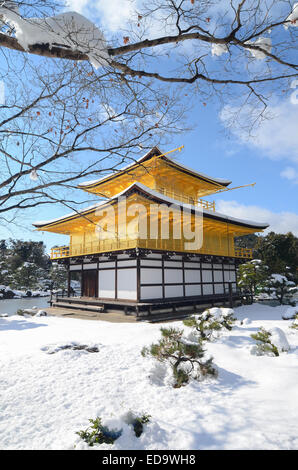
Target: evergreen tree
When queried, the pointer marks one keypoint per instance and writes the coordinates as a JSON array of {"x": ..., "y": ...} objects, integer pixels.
[
  {"x": 279, "y": 252},
  {"x": 252, "y": 277},
  {"x": 57, "y": 278},
  {"x": 282, "y": 288}
]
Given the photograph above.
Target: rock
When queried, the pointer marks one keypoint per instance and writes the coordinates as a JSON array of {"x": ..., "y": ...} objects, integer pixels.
[
  {"x": 290, "y": 313},
  {"x": 41, "y": 313}
]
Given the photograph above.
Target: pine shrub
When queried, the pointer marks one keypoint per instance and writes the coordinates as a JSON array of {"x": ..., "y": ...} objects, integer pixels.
[
  {"x": 264, "y": 345},
  {"x": 210, "y": 322},
  {"x": 138, "y": 424},
  {"x": 186, "y": 358},
  {"x": 99, "y": 434}
]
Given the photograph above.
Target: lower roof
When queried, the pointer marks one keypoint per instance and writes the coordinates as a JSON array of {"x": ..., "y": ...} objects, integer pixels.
[{"x": 158, "y": 197}]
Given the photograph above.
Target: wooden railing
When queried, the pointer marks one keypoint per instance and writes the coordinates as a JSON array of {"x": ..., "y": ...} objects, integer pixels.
[
  {"x": 59, "y": 252},
  {"x": 124, "y": 244},
  {"x": 243, "y": 252},
  {"x": 210, "y": 205}
]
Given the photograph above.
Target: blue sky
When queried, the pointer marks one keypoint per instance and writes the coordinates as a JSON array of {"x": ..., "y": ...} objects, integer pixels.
[{"x": 270, "y": 158}]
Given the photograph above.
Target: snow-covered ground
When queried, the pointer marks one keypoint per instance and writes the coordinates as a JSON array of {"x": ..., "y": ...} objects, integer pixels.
[{"x": 46, "y": 398}]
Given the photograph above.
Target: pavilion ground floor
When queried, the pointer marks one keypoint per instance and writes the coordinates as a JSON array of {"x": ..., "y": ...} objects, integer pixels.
[{"x": 144, "y": 282}]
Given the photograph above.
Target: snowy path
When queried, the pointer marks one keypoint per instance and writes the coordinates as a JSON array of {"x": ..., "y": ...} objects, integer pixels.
[{"x": 45, "y": 398}]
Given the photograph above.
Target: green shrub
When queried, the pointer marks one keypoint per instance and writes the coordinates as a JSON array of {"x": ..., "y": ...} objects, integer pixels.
[
  {"x": 99, "y": 434},
  {"x": 264, "y": 345},
  {"x": 21, "y": 312},
  {"x": 138, "y": 422},
  {"x": 185, "y": 357},
  {"x": 211, "y": 321}
]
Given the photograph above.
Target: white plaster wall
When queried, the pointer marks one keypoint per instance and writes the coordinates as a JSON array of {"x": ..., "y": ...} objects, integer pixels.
[
  {"x": 173, "y": 291},
  {"x": 106, "y": 284},
  {"x": 192, "y": 275},
  {"x": 108, "y": 264},
  {"x": 127, "y": 284},
  {"x": 78, "y": 267},
  {"x": 219, "y": 288},
  {"x": 90, "y": 266},
  {"x": 173, "y": 275},
  {"x": 173, "y": 264},
  {"x": 150, "y": 262},
  {"x": 192, "y": 265},
  {"x": 152, "y": 292},
  {"x": 129, "y": 262},
  {"x": 192, "y": 290},
  {"x": 207, "y": 276},
  {"x": 229, "y": 275},
  {"x": 151, "y": 276},
  {"x": 218, "y": 276},
  {"x": 207, "y": 289}
]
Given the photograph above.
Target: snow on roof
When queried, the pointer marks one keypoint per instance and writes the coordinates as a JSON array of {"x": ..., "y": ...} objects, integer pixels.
[
  {"x": 69, "y": 29},
  {"x": 144, "y": 157},
  {"x": 126, "y": 167},
  {"x": 203, "y": 175},
  {"x": 71, "y": 214},
  {"x": 161, "y": 197}
]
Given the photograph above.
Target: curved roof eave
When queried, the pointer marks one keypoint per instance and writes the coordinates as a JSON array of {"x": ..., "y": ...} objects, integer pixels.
[
  {"x": 161, "y": 198},
  {"x": 154, "y": 151}
]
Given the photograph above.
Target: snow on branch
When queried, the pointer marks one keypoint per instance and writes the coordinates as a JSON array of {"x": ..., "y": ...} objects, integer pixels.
[
  {"x": 219, "y": 49},
  {"x": 293, "y": 17},
  {"x": 69, "y": 30},
  {"x": 262, "y": 43}
]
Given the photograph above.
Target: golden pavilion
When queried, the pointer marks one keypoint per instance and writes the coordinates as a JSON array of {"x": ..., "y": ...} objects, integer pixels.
[{"x": 134, "y": 249}]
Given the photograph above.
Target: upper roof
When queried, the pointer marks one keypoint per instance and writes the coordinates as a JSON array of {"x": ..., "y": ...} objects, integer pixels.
[
  {"x": 150, "y": 193},
  {"x": 154, "y": 152}
]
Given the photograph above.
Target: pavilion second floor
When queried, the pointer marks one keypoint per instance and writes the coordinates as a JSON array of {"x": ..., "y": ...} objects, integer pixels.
[
  {"x": 145, "y": 219},
  {"x": 106, "y": 246}
]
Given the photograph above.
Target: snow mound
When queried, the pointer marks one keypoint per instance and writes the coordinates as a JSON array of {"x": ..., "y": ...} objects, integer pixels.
[
  {"x": 158, "y": 374},
  {"x": 290, "y": 313},
  {"x": 70, "y": 30},
  {"x": 246, "y": 321},
  {"x": 279, "y": 339},
  {"x": 280, "y": 279},
  {"x": 3, "y": 315}
]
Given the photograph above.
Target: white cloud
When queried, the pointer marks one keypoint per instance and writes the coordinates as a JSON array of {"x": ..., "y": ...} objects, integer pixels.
[
  {"x": 280, "y": 222},
  {"x": 290, "y": 173},
  {"x": 112, "y": 14},
  {"x": 77, "y": 5},
  {"x": 276, "y": 137}
]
